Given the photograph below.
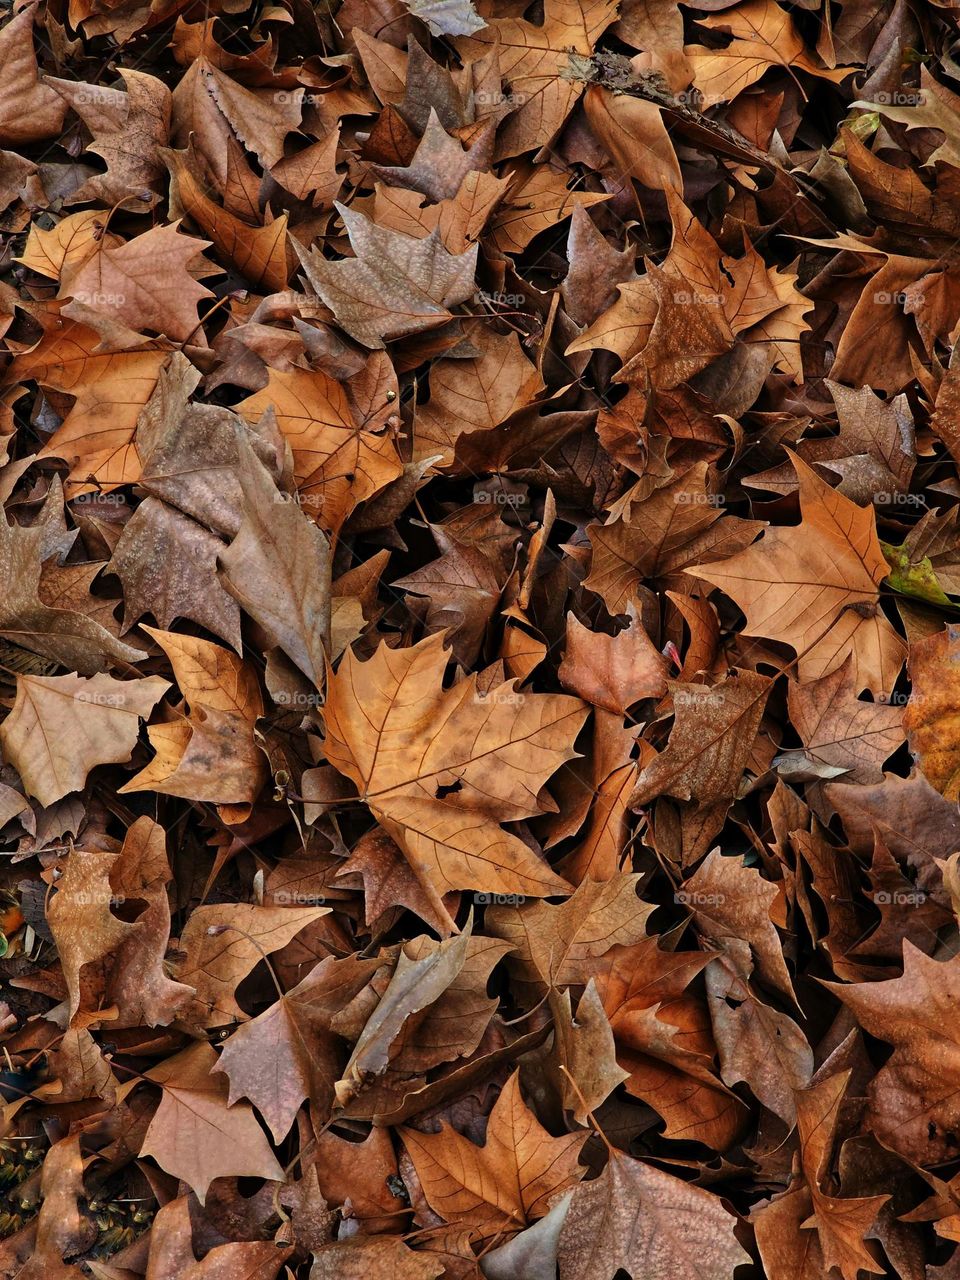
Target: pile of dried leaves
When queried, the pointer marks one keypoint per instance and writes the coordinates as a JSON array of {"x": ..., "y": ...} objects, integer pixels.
[{"x": 479, "y": 650}]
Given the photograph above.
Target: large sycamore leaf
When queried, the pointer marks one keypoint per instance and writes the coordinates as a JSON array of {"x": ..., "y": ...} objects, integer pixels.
[
  {"x": 640, "y": 1220},
  {"x": 209, "y": 754},
  {"x": 142, "y": 283},
  {"x": 278, "y": 568},
  {"x": 288, "y": 1054},
  {"x": 414, "y": 986},
  {"x": 756, "y": 1043},
  {"x": 558, "y": 944},
  {"x": 664, "y": 1040},
  {"x": 62, "y": 726},
  {"x": 815, "y": 587},
  {"x": 732, "y": 904},
  {"x": 475, "y": 395},
  {"x": 128, "y": 131},
  {"x": 840, "y": 732},
  {"x": 222, "y": 943},
  {"x": 85, "y": 929},
  {"x": 395, "y": 285},
  {"x": 506, "y": 1183},
  {"x": 337, "y": 462},
  {"x": 842, "y": 1223},
  {"x": 167, "y": 564},
  {"x": 763, "y": 37},
  {"x": 259, "y": 253},
  {"x": 703, "y": 762},
  {"x": 195, "y": 1135},
  {"x": 441, "y": 769},
  {"x": 29, "y": 109},
  {"x": 361, "y": 1257},
  {"x": 172, "y": 1252}
]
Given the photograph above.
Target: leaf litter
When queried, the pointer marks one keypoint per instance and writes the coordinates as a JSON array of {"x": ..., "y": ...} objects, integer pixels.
[{"x": 479, "y": 638}]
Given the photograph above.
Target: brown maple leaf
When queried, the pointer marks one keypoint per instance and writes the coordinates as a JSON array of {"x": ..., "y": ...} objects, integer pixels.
[
  {"x": 816, "y": 588},
  {"x": 510, "y": 1180},
  {"x": 436, "y": 768},
  {"x": 396, "y": 285}
]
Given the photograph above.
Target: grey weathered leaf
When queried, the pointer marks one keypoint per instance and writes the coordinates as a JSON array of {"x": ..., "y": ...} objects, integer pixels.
[{"x": 447, "y": 17}]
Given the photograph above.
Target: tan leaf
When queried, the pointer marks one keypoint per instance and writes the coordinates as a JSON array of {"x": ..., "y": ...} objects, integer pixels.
[
  {"x": 337, "y": 463},
  {"x": 221, "y": 944},
  {"x": 533, "y": 58},
  {"x": 195, "y": 1135},
  {"x": 96, "y": 437},
  {"x": 557, "y": 945},
  {"x": 258, "y": 253},
  {"x": 929, "y": 718},
  {"x": 63, "y": 726},
  {"x": 287, "y": 1054},
  {"x": 129, "y": 129},
  {"x": 29, "y": 110},
  {"x": 639, "y": 1219},
  {"x": 278, "y": 569},
  {"x": 612, "y": 672},
  {"x": 84, "y": 927},
  {"x": 144, "y": 283}
]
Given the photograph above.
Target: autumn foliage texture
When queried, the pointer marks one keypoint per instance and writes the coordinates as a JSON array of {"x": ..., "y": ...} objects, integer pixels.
[{"x": 479, "y": 640}]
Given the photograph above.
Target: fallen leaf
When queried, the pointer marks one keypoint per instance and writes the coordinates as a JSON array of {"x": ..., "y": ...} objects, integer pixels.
[
  {"x": 62, "y": 726},
  {"x": 680, "y": 1231},
  {"x": 505, "y": 1183},
  {"x": 442, "y": 796},
  {"x": 195, "y": 1135}
]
